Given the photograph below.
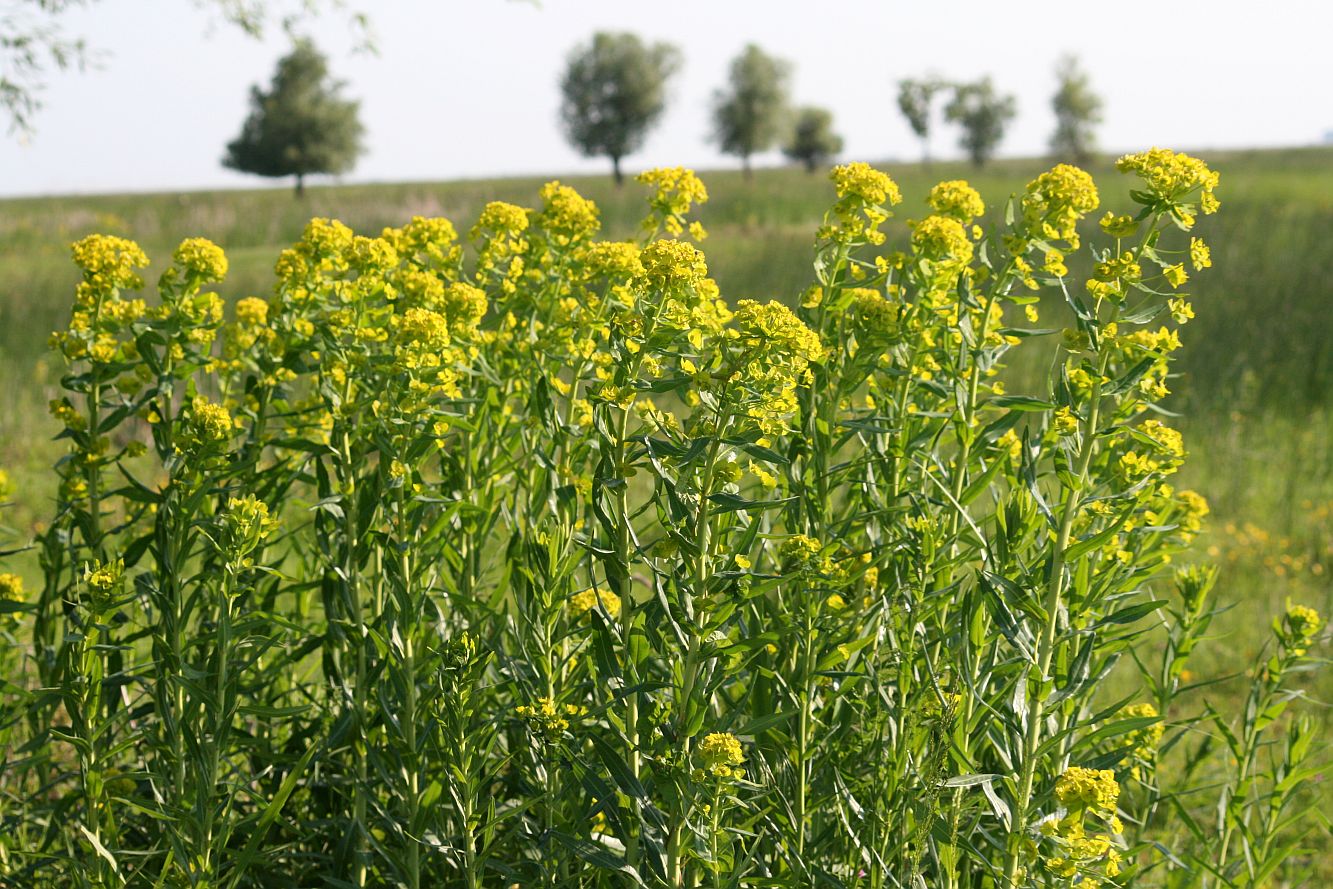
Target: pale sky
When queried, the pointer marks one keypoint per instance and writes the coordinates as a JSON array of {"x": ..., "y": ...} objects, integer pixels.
[{"x": 468, "y": 88}]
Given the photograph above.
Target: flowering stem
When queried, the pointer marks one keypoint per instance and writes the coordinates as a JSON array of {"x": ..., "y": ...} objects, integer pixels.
[{"x": 1047, "y": 643}]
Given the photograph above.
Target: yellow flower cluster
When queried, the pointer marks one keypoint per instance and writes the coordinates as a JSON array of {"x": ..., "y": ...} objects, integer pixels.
[
  {"x": 246, "y": 524},
  {"x": 426, "y": 241},
  {"x": 252, "y": 311},
  {"x": 802, "y": 553},
  {"x": 720, "y": 755},
  {"x": 773, "y": 350},
  {"x": 1200, "y": 255},
  {"x": 582, "y": 603},
  {"x": 873, "y": 317},
  {"x": 864, "y": 196},
  {"x": 208, "y": 423},
  {"x": 567, "y": 215},
  {"x": 1055, "y": 201},
  {"x": 546, "y": 719},
  {"x": 1119, "y": 225},
  {"x": 109, "y": 263},
  {"x": 669, "y": 264},
  {"x": 865, "y": 183},
  {"x": 11, "y": 587},
  {"x": 501, "y": 218},
  {"x": 1171, "y": 177},
  {"x": 201, "y": 259},
  {"x": 423, "y": 328},
  {"x": 1142, "y": 741},
  {"x": 676, "y": 191},
  {"x": 943, "y": 240},
  {"x": 1095, "y": 789},
  {"x": 1084, "y": 791},
  {"x": 1300, "y": 625},
  {"x": 956, "y": 199},
  {"x": 618, "y": 260},
  {"x": 103, "y": 580}
]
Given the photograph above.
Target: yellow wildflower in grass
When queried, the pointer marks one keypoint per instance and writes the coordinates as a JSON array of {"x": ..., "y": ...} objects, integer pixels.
[
  {"x": 675, "y": 192},
  {"x": 669, "y": 263},
  {"x": 720, "y": 753},
  {"x": 209, "y": 423},
  {"x": 6, "y": 487},
  {"x": 371, "y": 256},
  {"x": 1142, "y": 742},
  {"x": 942, "y": 239},
  {"x": 499, "y": 217},
  {"x": 1171, "y": 177},
  {"x": 1300, "y": 625},
  {"x": 465, "y": 306},
  {"x": 11, "y": 587},
  {"x": 862, "y": 181},
  {"x": 109, "y": 263},
  {"x": 1055, "y": 201},
  {"x": 582, "y": 603},
  {"x": 872, "y": 315},
  {"x": 956, "y": 199},
  {"x": 1119, "y": 225},
  {"x": 566, "y": 214},
  {"x": 1066, "y": 421},
  {"x": 246, "y": 524},
  {"x": 772, "y": 350},
  {"x": 864, "y": 196},
  {"x": 103, "y": 580},
  {"x": 1094, "y": 789},
  {"x": 1167, "y": 439},
  {"x": 612, "y": 259},
  {"x": 423, "y": 328},
  {"x": 1200, "y": 256},
  {"x": 252, "y": 311},
  {"x": 425, "y": 241},
  {"x": 800, "y": 552},
  {"x": 325, "y": 242},
  {"x": 1054, "y": 264},
  {"x": 202, "y": 259},
  {"x": 1176, "y": 274},
  {"x": 547, "y": 720}
]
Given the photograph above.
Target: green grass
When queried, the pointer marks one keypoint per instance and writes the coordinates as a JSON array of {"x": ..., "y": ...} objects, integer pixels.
[{"x": 1256, "y": 384}]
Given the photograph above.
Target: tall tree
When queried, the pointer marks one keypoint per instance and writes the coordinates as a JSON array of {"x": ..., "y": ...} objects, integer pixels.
[
  {"x": 34, "y": 42},
  {"x": 750, "y": 114},
  {"x": 813, "y": 141},
  {"x": 1078, "y": 110},
  {"x": 615, "y": 92},
  {"x": 301, "y": 125},
  {"x": 916, "y": 99},
  {"x": 983, "y": 114}
]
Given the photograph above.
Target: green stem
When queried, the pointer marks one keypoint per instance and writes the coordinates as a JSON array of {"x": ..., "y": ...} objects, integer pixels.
[{"x": 1047, "y": 644}]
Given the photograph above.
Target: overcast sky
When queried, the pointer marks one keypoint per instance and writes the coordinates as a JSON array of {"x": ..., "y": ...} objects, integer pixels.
[{"x": 466, "y": 88}]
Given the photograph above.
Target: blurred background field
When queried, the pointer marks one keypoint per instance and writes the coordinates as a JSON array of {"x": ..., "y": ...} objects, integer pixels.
[{"x": 1255, "y": 385}]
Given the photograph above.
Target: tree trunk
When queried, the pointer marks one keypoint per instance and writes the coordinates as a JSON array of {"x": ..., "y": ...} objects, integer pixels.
[
  {"x": 300, "y": 185},
  {"x": 615, "y": 170},
  {"x": 745, "y": 167},
  {"x": 809, "y": 165}
]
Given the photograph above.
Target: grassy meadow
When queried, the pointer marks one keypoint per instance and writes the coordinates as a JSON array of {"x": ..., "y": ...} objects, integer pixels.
[{"x": 1254, "y": 388}]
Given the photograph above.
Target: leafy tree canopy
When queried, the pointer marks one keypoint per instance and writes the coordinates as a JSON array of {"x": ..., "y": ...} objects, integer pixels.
[
  {"x": 750, "y": 114},
  {"x": 300, "y": 125},
  {"x": 614, "y": 92}
]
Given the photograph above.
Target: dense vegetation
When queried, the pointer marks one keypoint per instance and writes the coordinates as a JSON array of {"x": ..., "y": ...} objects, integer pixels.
[{"x": 538, "y": 563}]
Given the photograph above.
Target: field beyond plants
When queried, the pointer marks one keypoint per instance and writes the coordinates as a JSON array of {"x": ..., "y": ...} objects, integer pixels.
[{"x": 866, "y": 555}]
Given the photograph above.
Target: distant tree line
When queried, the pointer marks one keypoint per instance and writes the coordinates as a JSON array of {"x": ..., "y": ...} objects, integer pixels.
[{"x": 614, "y": 91}]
